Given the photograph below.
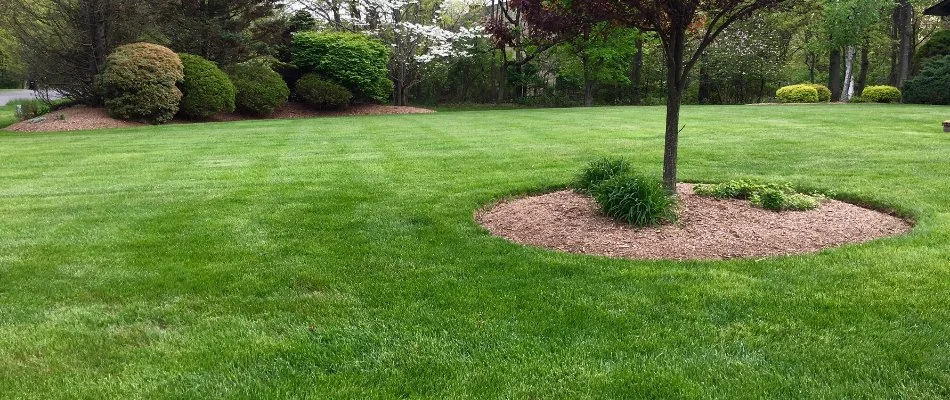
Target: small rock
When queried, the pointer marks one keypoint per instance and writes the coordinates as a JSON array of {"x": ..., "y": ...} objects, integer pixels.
[{"x": 36, "y": 120}]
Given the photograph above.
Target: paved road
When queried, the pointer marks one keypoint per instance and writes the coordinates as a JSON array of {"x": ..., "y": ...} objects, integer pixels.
[{"x": 8, "y": 95}]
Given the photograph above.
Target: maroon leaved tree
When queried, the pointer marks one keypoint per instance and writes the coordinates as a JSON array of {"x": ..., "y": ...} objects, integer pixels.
[{"x": 680, "y": 24}]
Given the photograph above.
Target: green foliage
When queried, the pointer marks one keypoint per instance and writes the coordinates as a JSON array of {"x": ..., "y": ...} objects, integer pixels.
[
  {"x": 770, "y": 196},
  {"x": 932, "y": 85},
  {"x": 882, "y": 94},
  {"x": 139, "y": 83},
  {"x": 356, "y": 61},
  {"x": 206, "y": 90},
  {"x": 937, "y": 46},
  {"x": 259, "y": 90},
  {"x": 824, "y": 94},
  {"x": 859, "y": 100},
  {"x": 289, "y": 72},
  {"x": 797, "y": 94},
  {"x": 321, "y": 94},
  {"x": 778, "y": 200},
  {"x": 600, "y": 170},
  {"x": 738, "y": 189},
  {"x": 29, "y": 108},
  {"x": 636, "y": 200}
]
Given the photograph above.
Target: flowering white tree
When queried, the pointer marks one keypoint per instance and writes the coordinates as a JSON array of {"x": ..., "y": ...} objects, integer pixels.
[{"x": 422, "y": 35}]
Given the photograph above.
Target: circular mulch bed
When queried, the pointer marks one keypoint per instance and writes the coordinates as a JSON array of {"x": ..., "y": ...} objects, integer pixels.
[
  {"x": 707, "y": 228},
  {"x": 87, "y": 118}
]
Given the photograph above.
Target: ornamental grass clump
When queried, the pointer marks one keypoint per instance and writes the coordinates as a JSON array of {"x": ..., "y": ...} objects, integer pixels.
[
  {"x": 599, "y": 171},
  {"x": 625, "y": 195},
  {"x": 636, "y": 200}
]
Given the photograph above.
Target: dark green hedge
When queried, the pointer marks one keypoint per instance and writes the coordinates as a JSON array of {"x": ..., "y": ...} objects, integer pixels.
[
  {"x": 932, "y": 85},
  {"x": 260, "y": 90},
  {"x": 206, "y": 89},
  {"x": 322, "y": 94}
]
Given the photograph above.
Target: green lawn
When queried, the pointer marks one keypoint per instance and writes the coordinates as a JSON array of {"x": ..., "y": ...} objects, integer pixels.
[
  {"x": 7, "y": 116},
  {"x": 337, "y": 258}
]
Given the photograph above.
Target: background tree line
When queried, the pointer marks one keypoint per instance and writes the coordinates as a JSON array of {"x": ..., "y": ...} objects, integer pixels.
[{"x": 467, "y": 51}]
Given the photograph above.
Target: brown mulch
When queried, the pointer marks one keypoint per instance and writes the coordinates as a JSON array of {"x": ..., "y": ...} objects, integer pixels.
[
  {"x": 707, "y": 228},
  {"x": 85, "y": 118},
  {"x": 75, "y": 118}
]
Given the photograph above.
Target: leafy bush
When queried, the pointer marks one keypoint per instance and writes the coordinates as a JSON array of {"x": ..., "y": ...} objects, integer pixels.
[
  {"x": 937, "y": 46},
  {"x": 770, "y": 196},
  {"x": 29, "y": 108},
  {"x": 824, "y": 94},
  {"x": 777, "y": 200},
  {"x": 635, "y": 200},
  {"x": 797, "y": 94},
  {"x": 932, "y": 85},
  {"x": 321, "y": 94},
  {"x": 882, "y": 94},
  {"x": 740, "y": 189},
  {"x": 139, "y": 83},
  {"x": 259, "y": 90},
  {"x": 599, "y": 171},
  {"x": 356, "y": 61},
  {"x": 206, "y": 89}
]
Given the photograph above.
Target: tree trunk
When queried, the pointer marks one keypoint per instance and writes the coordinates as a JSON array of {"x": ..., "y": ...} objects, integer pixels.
[
  {"x": 848, "y": 89},
  {"x": 906, "y": 46},
  {"x": 502, "y": 82},
  {"x": 635, "y": 75},
  {"x": 703, "y": 85},
  {"x": 675, "y": 84},
  {"x": 895, "y": 38},
  {"x": 834, "y": 74},
  {"x": 865, "y": 64},
  {"x": 588, "y": 81}
]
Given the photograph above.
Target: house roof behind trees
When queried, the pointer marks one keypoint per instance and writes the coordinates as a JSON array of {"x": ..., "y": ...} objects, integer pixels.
[{"x": 941, "y": 9}]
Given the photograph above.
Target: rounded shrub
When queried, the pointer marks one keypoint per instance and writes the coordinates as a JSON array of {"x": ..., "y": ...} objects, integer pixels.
[
  {"x": 321, "y": 94},
  {"x": 932, "y": 85},
  {"x": 824, "y": 94},
  {"x": 797, "y": 94},
  {"x": 356, "y": 61},
  {"x": 259, "y": 90},
  {"x": 139, "y": 82},
  {"x": 206, "y": 89},
  {"x": 636, "y": 200},
  {"x": 881, "y": 94},
  {"x": 599, "y": 171}
]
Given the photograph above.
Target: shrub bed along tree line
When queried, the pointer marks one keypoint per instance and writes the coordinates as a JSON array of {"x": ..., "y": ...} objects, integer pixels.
[
  {"x": 151, "y": 83},
  {"x": 818, "y": 93}
]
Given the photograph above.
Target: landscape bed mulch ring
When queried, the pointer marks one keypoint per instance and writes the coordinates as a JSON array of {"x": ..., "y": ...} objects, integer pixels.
[
  {"x": 707, "y": 229},
  {"x": 86, "y": 118}
]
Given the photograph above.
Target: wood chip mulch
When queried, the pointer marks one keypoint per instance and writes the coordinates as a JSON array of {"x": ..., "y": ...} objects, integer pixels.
[
  {"x": 707, "y": 228},
  {"x": 87, "y": 118}
]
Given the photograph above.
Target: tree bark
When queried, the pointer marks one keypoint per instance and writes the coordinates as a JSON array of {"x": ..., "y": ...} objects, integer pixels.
[
  {"x": 588, "y": 81},
  {"x": 834, "y": 74},
  {"x": 675, "y": 83},
  {"x": 636, "y": 74},
  {"x": 906, "y": 46},
  {"x": 865, "y": 64},
  {"x": 703, "y": 85},
  {"x": 848, "y": 89}
]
